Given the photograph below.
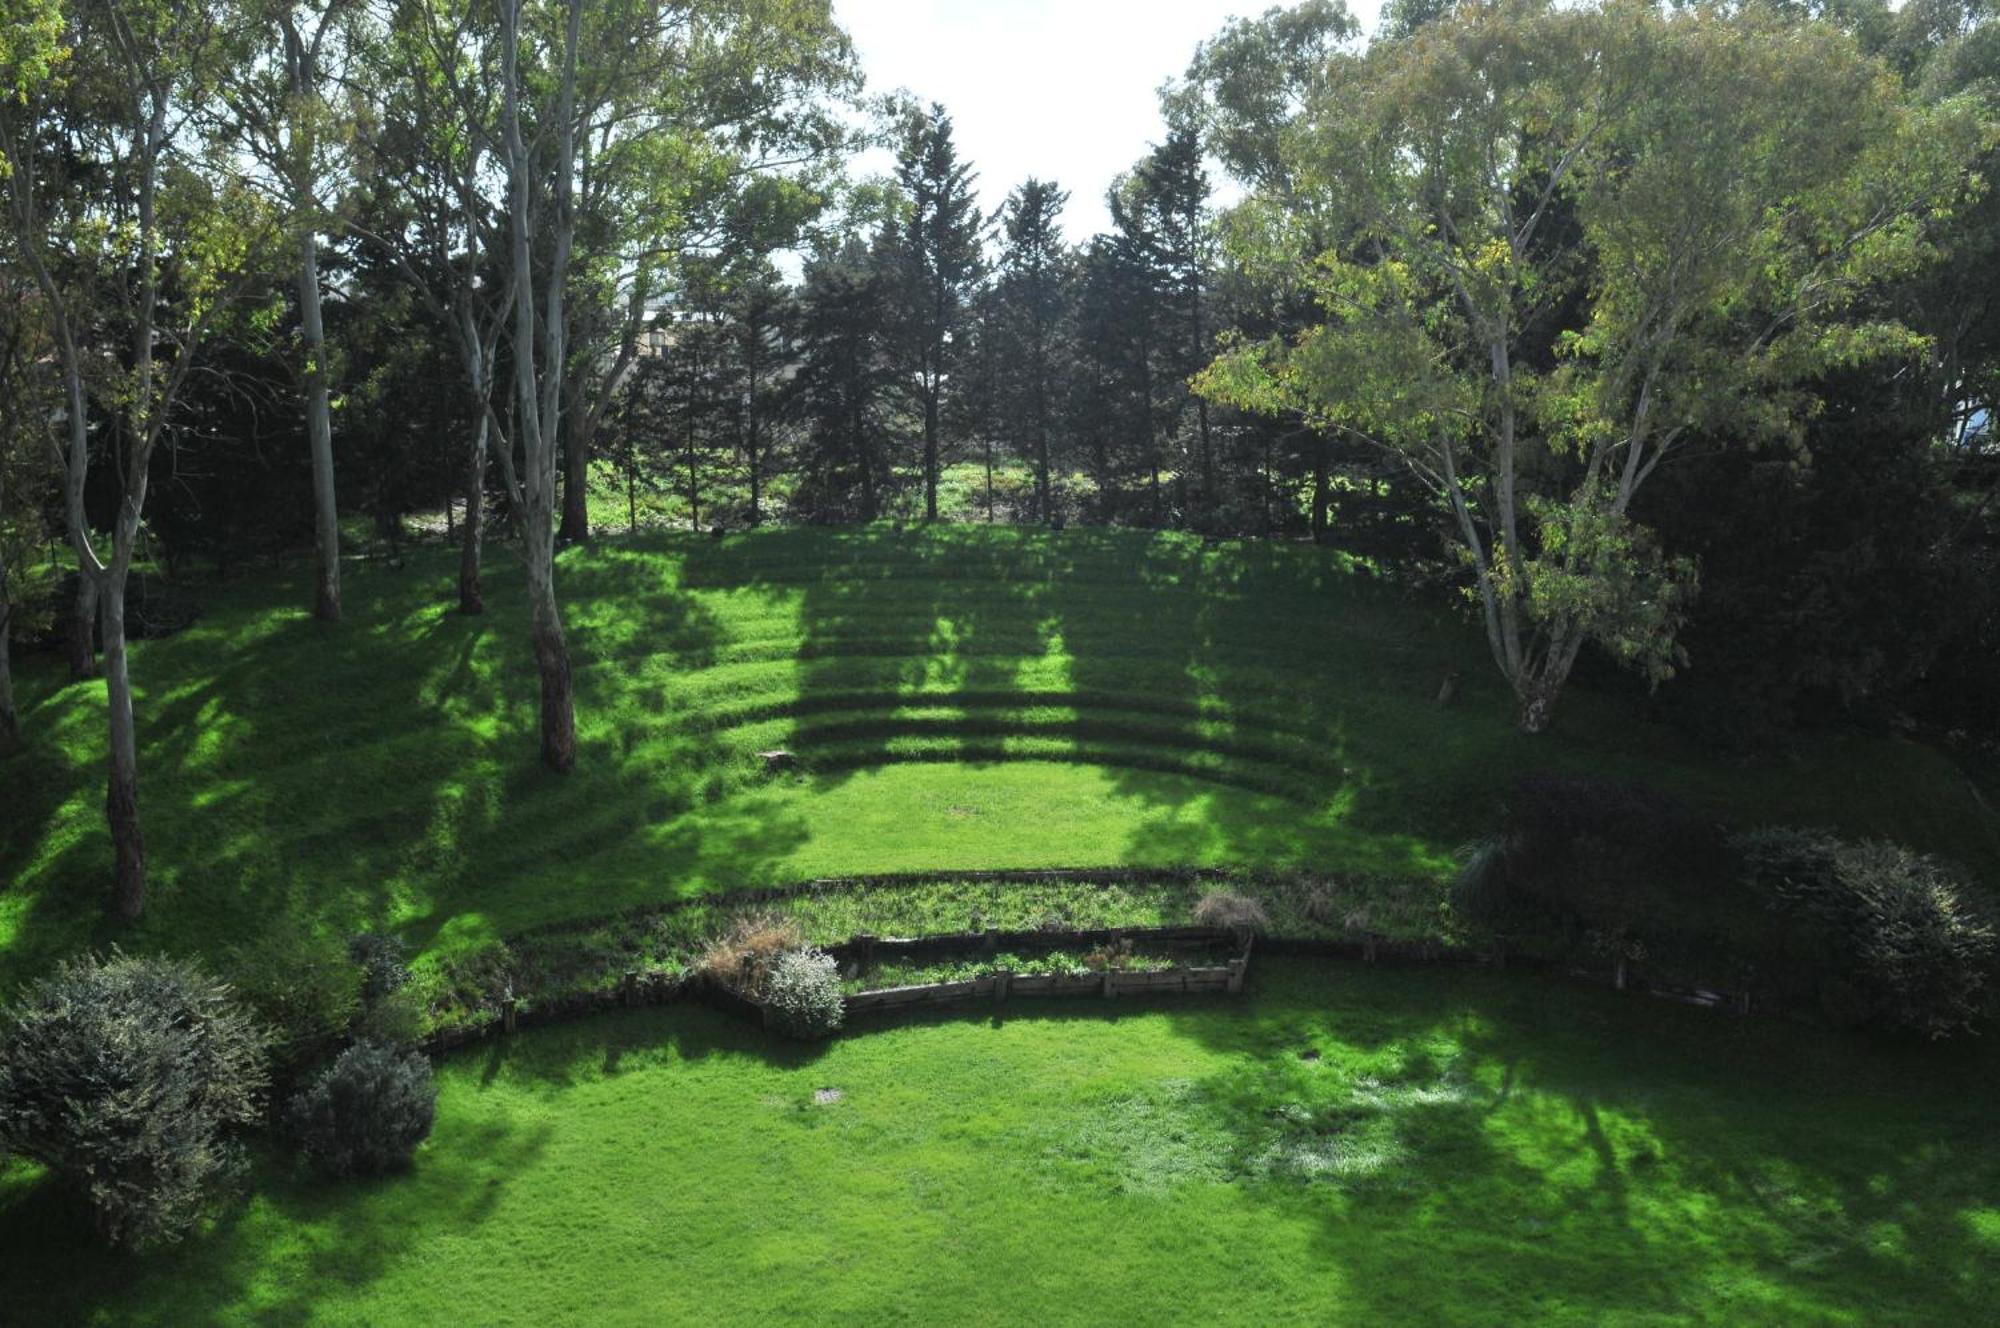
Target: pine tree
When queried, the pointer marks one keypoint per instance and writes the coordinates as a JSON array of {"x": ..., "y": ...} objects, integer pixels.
[
  {"x": 1032, "y": 304},
  {"x": 842, "y": 385},
  {"x": 938, "y": 264},
  {"x": 1172, "y": 190}
]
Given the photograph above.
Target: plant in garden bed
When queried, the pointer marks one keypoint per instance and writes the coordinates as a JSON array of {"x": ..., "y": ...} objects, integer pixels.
[
  {"x": 802, "y": 994},
  {"x": 744, "y": 957},
  {"x": 1057, "y": 963}
]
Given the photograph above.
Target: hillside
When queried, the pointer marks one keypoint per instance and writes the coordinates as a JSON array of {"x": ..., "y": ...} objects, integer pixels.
[{"x": 957, "y": 698}]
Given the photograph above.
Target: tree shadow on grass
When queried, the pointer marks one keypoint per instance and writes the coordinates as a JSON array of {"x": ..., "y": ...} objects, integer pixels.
[
  {"x": 381, "y": 775},
  {"x": 282, "y": 1256},
  {"x": 1494, "y": 1148}
]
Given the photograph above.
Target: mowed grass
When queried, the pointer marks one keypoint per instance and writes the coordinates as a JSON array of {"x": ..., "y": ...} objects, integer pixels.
[
  {"x": 1344, "y": 1146},
  {"x": 960, "y": 698}
]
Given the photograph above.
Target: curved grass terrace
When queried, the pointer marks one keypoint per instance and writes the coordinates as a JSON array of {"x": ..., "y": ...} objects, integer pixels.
[
  {"x": 957, "y": 698},
  {"x": 1344, "y": 1144}
]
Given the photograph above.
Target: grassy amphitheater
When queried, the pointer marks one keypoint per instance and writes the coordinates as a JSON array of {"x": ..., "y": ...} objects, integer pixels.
[{"x": 1341, "y": 1145}]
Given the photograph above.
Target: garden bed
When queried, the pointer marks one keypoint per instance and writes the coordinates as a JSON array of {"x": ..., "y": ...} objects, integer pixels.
[{"x": 888, "y": 974}]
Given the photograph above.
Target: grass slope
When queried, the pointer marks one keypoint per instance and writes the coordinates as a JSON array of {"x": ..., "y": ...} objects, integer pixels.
[
  {"x": 962, "y": 698},
  {"x": 1345, "y": 1146}
]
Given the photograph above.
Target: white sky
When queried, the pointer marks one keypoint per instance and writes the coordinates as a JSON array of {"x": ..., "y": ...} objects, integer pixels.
[{"x": 1062, "y": 89}]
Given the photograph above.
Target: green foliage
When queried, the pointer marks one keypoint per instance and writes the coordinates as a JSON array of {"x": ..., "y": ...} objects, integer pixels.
[
  {"x": 366, "y": 1113},
  {"x": 125, "y": 1077},
  {"x": 302, "y": 983},
  {"x": 1553, "y": 246},
  {"x": 1901, "y": 945},
  {"x": 1599, "y": 576},
  {"x": 802, "y": 993},
  {"x": 383, "y": 961},
  {"x": 1631, "y": 864}
]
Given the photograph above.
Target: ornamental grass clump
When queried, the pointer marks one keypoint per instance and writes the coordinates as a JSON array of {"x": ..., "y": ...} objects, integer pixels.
[
  {"x": 1232, "y": 912},
  {"x": 743, "y": 957},
  {"x": 367, "y": 1112},
  {"x": 127, "y": 1077},
  {"x": 802, "y": 993}
]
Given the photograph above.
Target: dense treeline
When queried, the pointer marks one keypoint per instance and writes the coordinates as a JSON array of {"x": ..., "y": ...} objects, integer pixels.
[{"x": 1664, "y": 337}]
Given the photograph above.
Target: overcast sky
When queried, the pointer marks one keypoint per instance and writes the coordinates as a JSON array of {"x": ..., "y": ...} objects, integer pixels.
[{"x": 1061, "y": 89}]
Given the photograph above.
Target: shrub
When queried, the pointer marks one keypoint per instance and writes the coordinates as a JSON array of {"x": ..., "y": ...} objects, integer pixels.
[
  {"x": 384, "y": 964},
  {"x": 1598, "y": 855},
  {"x": 1894, "y": 942},
  {"x": 125, "y": 1076},
  {"x": 391, "y": 1010},
  {"x": 302, "y": 985},
  {"x": 367, "y": 1112},
  {"x": 743, "y": 957},
  {"x": 1231, "y": 912},
  {"x": 802, "y": 992}
]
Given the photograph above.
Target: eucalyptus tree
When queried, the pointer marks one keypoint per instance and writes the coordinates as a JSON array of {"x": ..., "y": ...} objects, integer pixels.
[
  {"x": 709, "y": 141},
  {"x": 579, "y": 151},
  {"x": 276, "y": 93},
  {"x": 131, "y": 236},
  {"x": 938, "y": 264},
  {"x": 1570, "y": 242},
  {"x": 427, "y": 203},
  {"x": 1246, "y": 92}
]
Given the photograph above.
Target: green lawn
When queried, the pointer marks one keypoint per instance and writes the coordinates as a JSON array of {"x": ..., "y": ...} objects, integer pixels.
[
  {"x": 1347, "y": 1145},
  {"x": 962, "y": 698},
  {"x": 1350, "y": 1145}
]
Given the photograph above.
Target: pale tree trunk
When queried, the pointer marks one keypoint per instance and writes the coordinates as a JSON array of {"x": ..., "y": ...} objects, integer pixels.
[
  {"x": 539, "y": 387},
  {"x": 471, "y": 597},
  {"x": 82, "y": 640},
  {"x": 319, "y": 433},
  {"x": 756, "y": 466},
  {"x": 552, "y": 663},
  {"x": 121, "y": 801}
]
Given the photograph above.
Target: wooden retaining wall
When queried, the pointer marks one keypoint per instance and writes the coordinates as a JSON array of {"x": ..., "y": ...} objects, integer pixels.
[{"x": 1111, "y": 983}]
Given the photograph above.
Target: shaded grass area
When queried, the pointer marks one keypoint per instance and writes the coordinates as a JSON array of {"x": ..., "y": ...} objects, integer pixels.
[
  {"x": 958, "y": 698},
  {"x": 1344, "y": 1145}
]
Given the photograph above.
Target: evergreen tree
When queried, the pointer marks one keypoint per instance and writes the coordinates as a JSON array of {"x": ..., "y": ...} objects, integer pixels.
[
  {"x": 1031, "y": 309},
  {"x": 1171, "y": 191},
  {"x": 841, "y": 389},
  {"x": 938, "y": 264}
]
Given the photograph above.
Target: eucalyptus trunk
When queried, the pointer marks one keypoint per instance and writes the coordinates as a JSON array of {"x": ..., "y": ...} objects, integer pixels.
[
  {"x": 121, "y": 800},
  {"x": 1320, "y": 490},
  {"x": 319, "y": 433},
  {"x": 82, "y": 640},
  {"x": 558, "y": 705},
  {"x": 471, "y": 597}
]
